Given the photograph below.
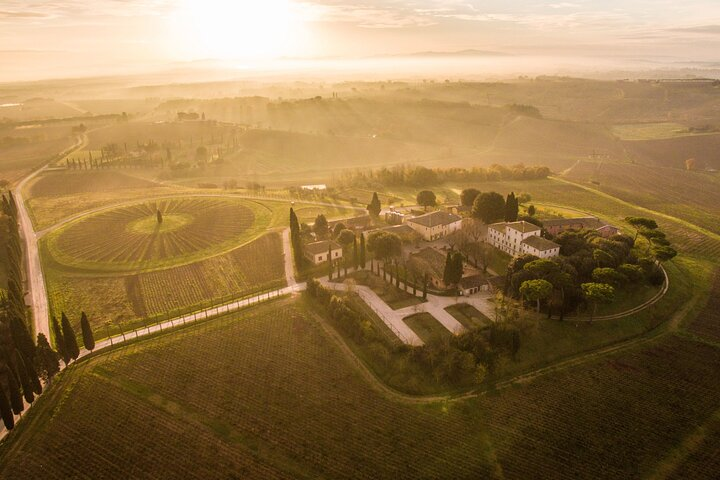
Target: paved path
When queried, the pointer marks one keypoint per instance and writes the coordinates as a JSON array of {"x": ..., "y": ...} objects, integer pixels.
[
  {"x": 390, "y": 317},
  {"x": 288, "y": 258}
]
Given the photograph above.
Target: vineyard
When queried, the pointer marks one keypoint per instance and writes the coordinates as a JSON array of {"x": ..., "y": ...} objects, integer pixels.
[
  {"x": 693, "y": 196},
  {"x": 707, "y": 323},
  {"x": 94, "y": 181},
  {"x": 615, "y": 418},
  {"x": 248, "y": 393},
  {"x": 132, "y": 238},
  {"x": 127, "y": 299}
]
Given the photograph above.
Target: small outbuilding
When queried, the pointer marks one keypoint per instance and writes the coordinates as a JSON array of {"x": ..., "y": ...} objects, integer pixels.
[{"x": 322, "y": 251}]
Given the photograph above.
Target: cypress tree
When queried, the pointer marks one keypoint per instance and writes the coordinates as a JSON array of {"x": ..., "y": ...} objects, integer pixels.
[
  {"x": 22, "y": 375},
  {"x": 33, "y": 377},
  {"x": 46, "y": 359},
  {"x": 60, "y": 341},
  {"x": 5, "y": 411},
  {"x": 447, "y": 272},
  {"x": 295, "y": 239},
  {"x": 374, "y": 208},
  {"x": 87, "y": 334},
  {"x": 512, "y": 207},
  {"x": 21, "y": 338},
  {"x": 356, "y": 259},
  {"x": 330, "y": 265},
  {"x": 71, "y": 346},
  {"x": 362, "y": 250},
  {"x": 16, "y": 399}
]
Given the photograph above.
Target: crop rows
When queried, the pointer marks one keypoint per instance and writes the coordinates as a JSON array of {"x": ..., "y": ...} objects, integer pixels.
[
  {"x": 129, "y": 438},
  {"x": 126, "y": 300},
  {"x": 616, "y": 418},
  {"x": 707, "y": 323},
  {"x": 267, "y": 380},
  {"x": 109, "y": 237},
  {"x": 689, "y": 195},
  {"x": 96, "y": 181},
  {"x": 245, "y": 269}
]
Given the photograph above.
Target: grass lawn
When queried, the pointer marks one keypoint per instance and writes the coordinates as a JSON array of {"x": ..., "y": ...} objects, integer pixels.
[
  {"x": 499, "y": 261},
  {"x": 396, "y": 298},
  {"x": 469, "y": 316},
  {"x": 426, "y": 327},
  {"x": 626, "y": 299}
]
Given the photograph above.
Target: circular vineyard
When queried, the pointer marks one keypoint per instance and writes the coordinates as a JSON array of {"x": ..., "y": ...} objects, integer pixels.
[{"x": 138, "y": 236}]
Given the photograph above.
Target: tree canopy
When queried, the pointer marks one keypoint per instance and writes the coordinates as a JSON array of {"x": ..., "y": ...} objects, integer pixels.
[
  {"x": 468, "y": 196},
  {"x": 536, "y": 290},
  {"x": 384, "y": 245},
  {"x": 426, "y": 198},
  {"x": 374, "y": 207},
  {"x": 489, "y": 207}
]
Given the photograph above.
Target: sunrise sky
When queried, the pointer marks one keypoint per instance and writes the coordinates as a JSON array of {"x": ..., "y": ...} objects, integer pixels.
[{"x": 60, "y": 38}]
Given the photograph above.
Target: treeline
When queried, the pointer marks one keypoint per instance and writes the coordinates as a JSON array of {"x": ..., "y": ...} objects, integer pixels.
[
  {"x": 418, "y": 176},
  {"x": 23, "y": 362},
  {"x": 463, "y": 360}
]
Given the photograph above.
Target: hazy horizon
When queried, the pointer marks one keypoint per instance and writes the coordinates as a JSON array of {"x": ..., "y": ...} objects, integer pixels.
[{"x": 70, "y": 39}]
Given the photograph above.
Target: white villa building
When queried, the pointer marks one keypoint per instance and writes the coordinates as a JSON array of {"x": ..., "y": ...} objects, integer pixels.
[
  {"x": 517, "y": 238},
  {"x": 434, "y": 225},
  {"x": 317, "y": 252}
]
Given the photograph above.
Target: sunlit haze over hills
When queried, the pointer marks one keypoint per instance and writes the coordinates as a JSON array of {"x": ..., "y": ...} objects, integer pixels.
[{"x": 66, "y": 38}]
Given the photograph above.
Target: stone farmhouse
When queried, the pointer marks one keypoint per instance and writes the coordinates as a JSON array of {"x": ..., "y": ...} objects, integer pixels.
[
  {"x": 517, "y": 238},
  {"x": 434, "y": 225},
  {"x": 559, "y": 225},
  {"x": 317, "y": 252}
]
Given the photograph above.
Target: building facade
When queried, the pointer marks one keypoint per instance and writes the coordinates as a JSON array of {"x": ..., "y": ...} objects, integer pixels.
[{"x": 517, "y": 238}]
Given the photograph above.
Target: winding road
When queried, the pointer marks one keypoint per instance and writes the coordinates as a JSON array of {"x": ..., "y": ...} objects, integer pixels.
[{"x": 37, "y": 293}]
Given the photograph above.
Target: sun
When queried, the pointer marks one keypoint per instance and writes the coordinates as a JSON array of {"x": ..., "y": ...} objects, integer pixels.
[{"x": 239, "y": 29}]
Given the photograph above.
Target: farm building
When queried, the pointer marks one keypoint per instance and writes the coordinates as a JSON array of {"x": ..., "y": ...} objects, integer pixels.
[
  {"x": 356, "y": 224},
  {"x": 317, "y": 252},
  {"x": 558, "y": 225},
  {"x": 458, "y": 209},
  {"x": 434, "y": 225},
  {"x": 406, "y": 234},
  {"x": 473, "y": 284},
  {"x": 517, "y": 238},
  {"x": 431, "y": 262}
]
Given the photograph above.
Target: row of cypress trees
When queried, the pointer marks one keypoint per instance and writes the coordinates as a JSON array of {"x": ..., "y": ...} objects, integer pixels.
[{"x": 24, "y": 363}]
